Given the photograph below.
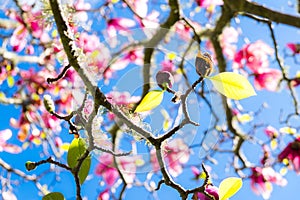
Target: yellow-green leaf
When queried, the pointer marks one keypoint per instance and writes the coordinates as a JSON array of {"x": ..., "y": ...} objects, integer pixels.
[
  {"x": 229, "y": 186},
  {"x": 150, "y": 101},
  {"x": 54, "y": 196},
  {"x": 288, "y": 130},
  {"x": 232, "y": 85},
  {"x": 10, "y": 81},
  {"x": 76, "y": 150}
]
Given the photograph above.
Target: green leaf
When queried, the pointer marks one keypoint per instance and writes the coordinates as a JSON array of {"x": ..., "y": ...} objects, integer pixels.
[
  {"x": 229, "y": 186},
  {"x": 150, "y": 101},
  {"x": 54, "y": 196},
  {"x": 76, "y": 150},
  {"x": 232, "y": 85}
]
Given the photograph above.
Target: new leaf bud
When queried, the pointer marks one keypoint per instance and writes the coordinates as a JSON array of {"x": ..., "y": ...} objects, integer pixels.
[
  {"x": 30, "y": 165},
  {"x": 204, "y": 64},
  {"x": 164, "y": 79}
]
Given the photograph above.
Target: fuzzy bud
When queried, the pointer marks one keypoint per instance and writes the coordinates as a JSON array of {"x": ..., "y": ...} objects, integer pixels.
[
  {"x": 48, "y": 103},
  {"x": 204, "y": 64},
  {"x": 164, "y": 79}
]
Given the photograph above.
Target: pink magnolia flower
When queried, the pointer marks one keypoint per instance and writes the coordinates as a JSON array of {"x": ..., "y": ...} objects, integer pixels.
[
  {"x": 32, "y": 20},
  {"x": 80, "y": 6},
  {"x": 183, "y": 30},
  {"x": 267, "y": 79},
  {"x": 295, "y": 48},
  {"x": 88, "y": 43},
  {"x": 271, "y": 132},
  {"x": 176, "y": 153},
  {"x": 104, "y": 195},
  {"x": 262, "y": 179},
  {"x": 119, "y": 24},
  {"x": 10, "y": 148},
  {"x": 211, "y": 191},
  {"x": 107, "y": 170},
  {"x": 168, "y": 65},
  {"x": 110, "y": 174},
  {"x": 208, "y": 3},
  {"x": 292, "y": 153},
  {"x": 150, "y": 21},
  {"x": 133, "y": 56},
  {"x": 228, "y": 40},
  {"x": 254, "y": 56}
]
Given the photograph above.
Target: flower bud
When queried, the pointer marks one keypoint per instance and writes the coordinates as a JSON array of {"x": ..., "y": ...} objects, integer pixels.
[
  {"x": 30, "y": 165},
  {"x": 164, "y": 79},
  {"x": 48, "y": 103},
  {"x": 204, "y": 64}
]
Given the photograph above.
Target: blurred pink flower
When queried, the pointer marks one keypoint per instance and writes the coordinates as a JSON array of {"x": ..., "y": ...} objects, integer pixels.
[
  {"x": 211, "y": 191},
  {"x": 10, "y": 148},
  {"x": 104, "y": 195},
  {"x": 106, "y": 169},
  {"x": 168, "y": 65},
  {"x": 267, "y": 79},
  {"x": 110, "y": 174},
  {"x": 295, "y": 48},
  {"x": 133, "y": 56},
  {"x": 262, "y": 179},
  {"x": 228, "y": 40},
  {"x": 81, "y": 7},
  {"x": 208, "y": 3},
  {"x": 176, "y": 153},
  {"x": 183, "y": 30},
  {"x": 271, "y": 132},
  {"x": 88, "y": 43},
  {"x": 119, "y": 24},
  {"x": 254, "y": 56},
  {"x": 292, "y": 153},
  {"x": 33, "y": 21}
]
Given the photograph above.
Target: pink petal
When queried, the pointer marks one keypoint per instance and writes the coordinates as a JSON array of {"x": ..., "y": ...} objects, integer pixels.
[{"x": 5, "y": 135}]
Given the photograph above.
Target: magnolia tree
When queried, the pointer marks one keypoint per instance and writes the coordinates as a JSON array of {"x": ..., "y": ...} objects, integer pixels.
[{"x": 101, "y": 100}]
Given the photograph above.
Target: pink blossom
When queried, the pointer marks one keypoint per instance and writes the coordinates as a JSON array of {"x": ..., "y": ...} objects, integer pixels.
[
  {"x": 150, "y": 21},
  {"x": 110, "y": 174},
  {"x": 140, "y": 7},
  {"x": 104, "y": 195},
  {"x": 267, "y": 79},
  {"x": 183, "y": 30},
  {"x": 81, "y": 7},
  {"x": 228, "y": 40},
  {"x": 176, "y": 153},
  {"x": 168, "y": 65},
  {"x": 119, "y": 24},
  {"x": 208, "y": 3},
  {"x": 88, "y": 43},
  {"x": 106, "y": 169},
  {"x": 254, "y": 56},
  {"x": 292, "y": 153},
  {"x": 211, "y": 191},
  {"x": 10, "y": 148},
  {"x": 262, "y": 179},
  {"x": 271, "y": 132},
  {"x": 295, "y": 48},
  {"x": 33, "y": 21},
  {"x": 133, "y": 56}
]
